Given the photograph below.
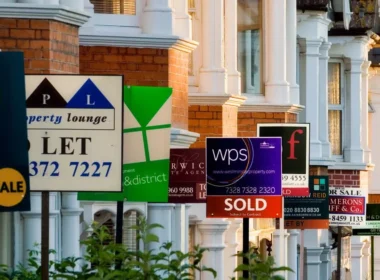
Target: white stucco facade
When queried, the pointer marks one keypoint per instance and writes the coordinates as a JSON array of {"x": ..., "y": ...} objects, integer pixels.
[{"x": 296, "y": 52}]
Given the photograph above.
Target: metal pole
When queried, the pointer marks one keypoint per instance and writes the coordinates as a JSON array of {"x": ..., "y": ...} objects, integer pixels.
[
  {"x": 372, "y": 258},
  {"x": 45, "y": 235},
  {"x": 339, "y": 255},
  {"x": 119, "y": 226},
  {"x": 302, "y": 254},
  {"x": 245, "y": 245}
]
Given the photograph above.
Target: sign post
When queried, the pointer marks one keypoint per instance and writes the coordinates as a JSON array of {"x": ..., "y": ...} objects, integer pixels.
[
  {"x": 75, "y": 135},
  {"x": 14, "y": 175},
  {"x": 243, "y": 177}
]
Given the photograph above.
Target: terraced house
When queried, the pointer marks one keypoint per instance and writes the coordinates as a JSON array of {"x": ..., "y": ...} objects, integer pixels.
[{"x": 232, "y": 64}]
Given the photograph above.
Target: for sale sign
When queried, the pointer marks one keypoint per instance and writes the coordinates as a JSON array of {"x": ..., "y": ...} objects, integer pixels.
[
  {"x": 295, "y": 154},
  {"x": 243, "y": 177},
  {"x": 347, "y": 206}
]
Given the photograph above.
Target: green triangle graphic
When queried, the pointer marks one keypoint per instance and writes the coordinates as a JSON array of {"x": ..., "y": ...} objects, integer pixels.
[{"x": 153, "y": 99}]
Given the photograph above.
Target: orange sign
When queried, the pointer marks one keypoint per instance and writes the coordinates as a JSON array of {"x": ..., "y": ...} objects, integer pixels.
[
  {"x": 244, "y": 206},
  {"x": 12, "y": 187},
  {"x": 305, "y": 224}
]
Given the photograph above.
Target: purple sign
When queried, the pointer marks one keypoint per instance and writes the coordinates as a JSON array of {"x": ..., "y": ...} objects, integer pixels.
[{"x": 243, "y": 166}]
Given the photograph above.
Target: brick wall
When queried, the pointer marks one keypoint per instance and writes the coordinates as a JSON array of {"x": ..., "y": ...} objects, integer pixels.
[
  {"x": 212, "y": 121},
  {"x": 348, "y": 178},
  {"x": 49, "y": 47},
  {"x": 144, "y": 67},
  {"x": 247, "y": 121}
]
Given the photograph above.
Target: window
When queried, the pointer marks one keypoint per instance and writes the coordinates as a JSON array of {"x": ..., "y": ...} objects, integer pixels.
[
  {"x": 125, "y": 7},
  {"x": 249, "y": 43},
  {"x": 336, "y": 107}
]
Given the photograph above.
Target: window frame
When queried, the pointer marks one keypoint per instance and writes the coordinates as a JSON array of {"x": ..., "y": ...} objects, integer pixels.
[
  {"x": 262, "y": 55},
  {"x": 341, "y": 107},
  {"x": 121, "y": 20}
]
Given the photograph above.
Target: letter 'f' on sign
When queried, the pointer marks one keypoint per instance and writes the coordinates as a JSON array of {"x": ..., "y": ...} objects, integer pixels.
[{"x": 292, "y": 143}]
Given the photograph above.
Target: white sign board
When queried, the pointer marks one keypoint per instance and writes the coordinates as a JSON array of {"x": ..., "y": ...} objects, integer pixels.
[
  {"x": 347, "y": 206},
  {"x": 75, "y": 132}
]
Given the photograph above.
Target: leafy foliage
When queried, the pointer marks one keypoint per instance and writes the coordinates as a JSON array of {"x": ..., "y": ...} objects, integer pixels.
[
  {"x": 104, "y": 259},
  {"x": 261, "y": 269}
]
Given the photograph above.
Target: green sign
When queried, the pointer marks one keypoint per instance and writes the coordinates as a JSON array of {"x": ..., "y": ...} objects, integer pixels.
[
  {"x": 14, "y": 161},
  {"x": 146, "y": 147},
  {"x": 372, "y": 226}
]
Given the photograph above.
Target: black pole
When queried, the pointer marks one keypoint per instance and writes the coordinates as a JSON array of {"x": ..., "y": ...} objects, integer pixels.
[
  {"x": 339, "y": 255},
  {"x": 119, "y": 226},
  {"x": 245, "y": 245},
  {"x": 372, "y": 258},
  {"x": 45, "y": 236}
]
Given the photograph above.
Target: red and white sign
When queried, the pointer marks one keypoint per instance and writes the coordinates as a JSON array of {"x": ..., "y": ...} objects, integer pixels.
[
  {"x": 244, "y": 207},
  {"x": 347, "y": 206}
]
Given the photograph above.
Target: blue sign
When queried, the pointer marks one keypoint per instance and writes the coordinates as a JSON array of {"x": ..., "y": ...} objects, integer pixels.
[{"x": 243, "y": 166}]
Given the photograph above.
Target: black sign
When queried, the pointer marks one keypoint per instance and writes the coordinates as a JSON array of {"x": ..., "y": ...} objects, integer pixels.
[
  {"x": 312, "y": 207},
  {"x": 294, "y": 145},
  {"x": 373, "y": 215},
  {"x": 14, "y": 161}
]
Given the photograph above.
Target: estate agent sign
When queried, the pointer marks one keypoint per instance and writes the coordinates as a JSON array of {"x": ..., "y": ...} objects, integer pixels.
[
  {"x": 243, "y": 177},
  {"x": 75, "y": 132},
  {"x": 14, "y": 169},
  {"x": 295, "y": 154}
]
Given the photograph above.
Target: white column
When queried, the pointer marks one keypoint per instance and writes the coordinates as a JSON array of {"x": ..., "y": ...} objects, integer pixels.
[
  {"x": 356, "y": 257},
  {"x": 212, "y": 231},
  {"x": 158, "y": 18},
  {"x": 6, "y": 239},
  {"x": 365, "y": 121},
  {"x": 313, "y": 263},
  {"x": 180, "y": 228},
  {"x": 161, "y": 213},
  {"x": 71, "y": 229},
  {"x": 182, "y": 19},
  {"x": 366, "y": 260},
  {"x": 276, "y": 86},
  {"x": 309, "y": 87},
  {"x": 88, "y": 7},
  {"x": 325, "y": 269},
  {"x": 232, "y": 242},
  {"x": 313, "y": 253},
  {"x": 31, "y": 226},
  {"x": 280, "y": 249},
  {"x": 323, "y": 100},
  {"x": 292, "y": 254},
  {"x": 213, "y": 76},
  {"x": 354, "y": 150},
  {"x": 291, "y": 50},
  {"x": 234, "y": 87},
  {"x": 73, "y": 4}
]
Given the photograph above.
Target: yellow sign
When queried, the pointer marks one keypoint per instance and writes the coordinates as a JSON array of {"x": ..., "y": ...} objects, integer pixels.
[{"x": 12, "y": 187}]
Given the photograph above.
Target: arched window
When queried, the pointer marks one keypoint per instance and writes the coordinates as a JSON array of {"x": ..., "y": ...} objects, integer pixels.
[
  {"x": 124, "y": 7},
  {"x": 104, "y": 218}
]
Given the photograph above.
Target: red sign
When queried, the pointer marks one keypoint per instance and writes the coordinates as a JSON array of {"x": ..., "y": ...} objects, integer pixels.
[
  {"x": 347, "y": 205},
  {"x": 187, "y": 182},
  {"x": 244, "y": 207}
]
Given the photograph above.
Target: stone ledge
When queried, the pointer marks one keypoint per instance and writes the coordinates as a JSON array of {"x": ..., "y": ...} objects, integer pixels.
[
  {"x": 206, "y": 99},
  {"x": 272, "y": 108},
  {"x": 181, "y": 138},
  {"x": 48, "y": 12},
  {"x": 136, "y": 41},
  {"x": 351, "y": 166}
]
